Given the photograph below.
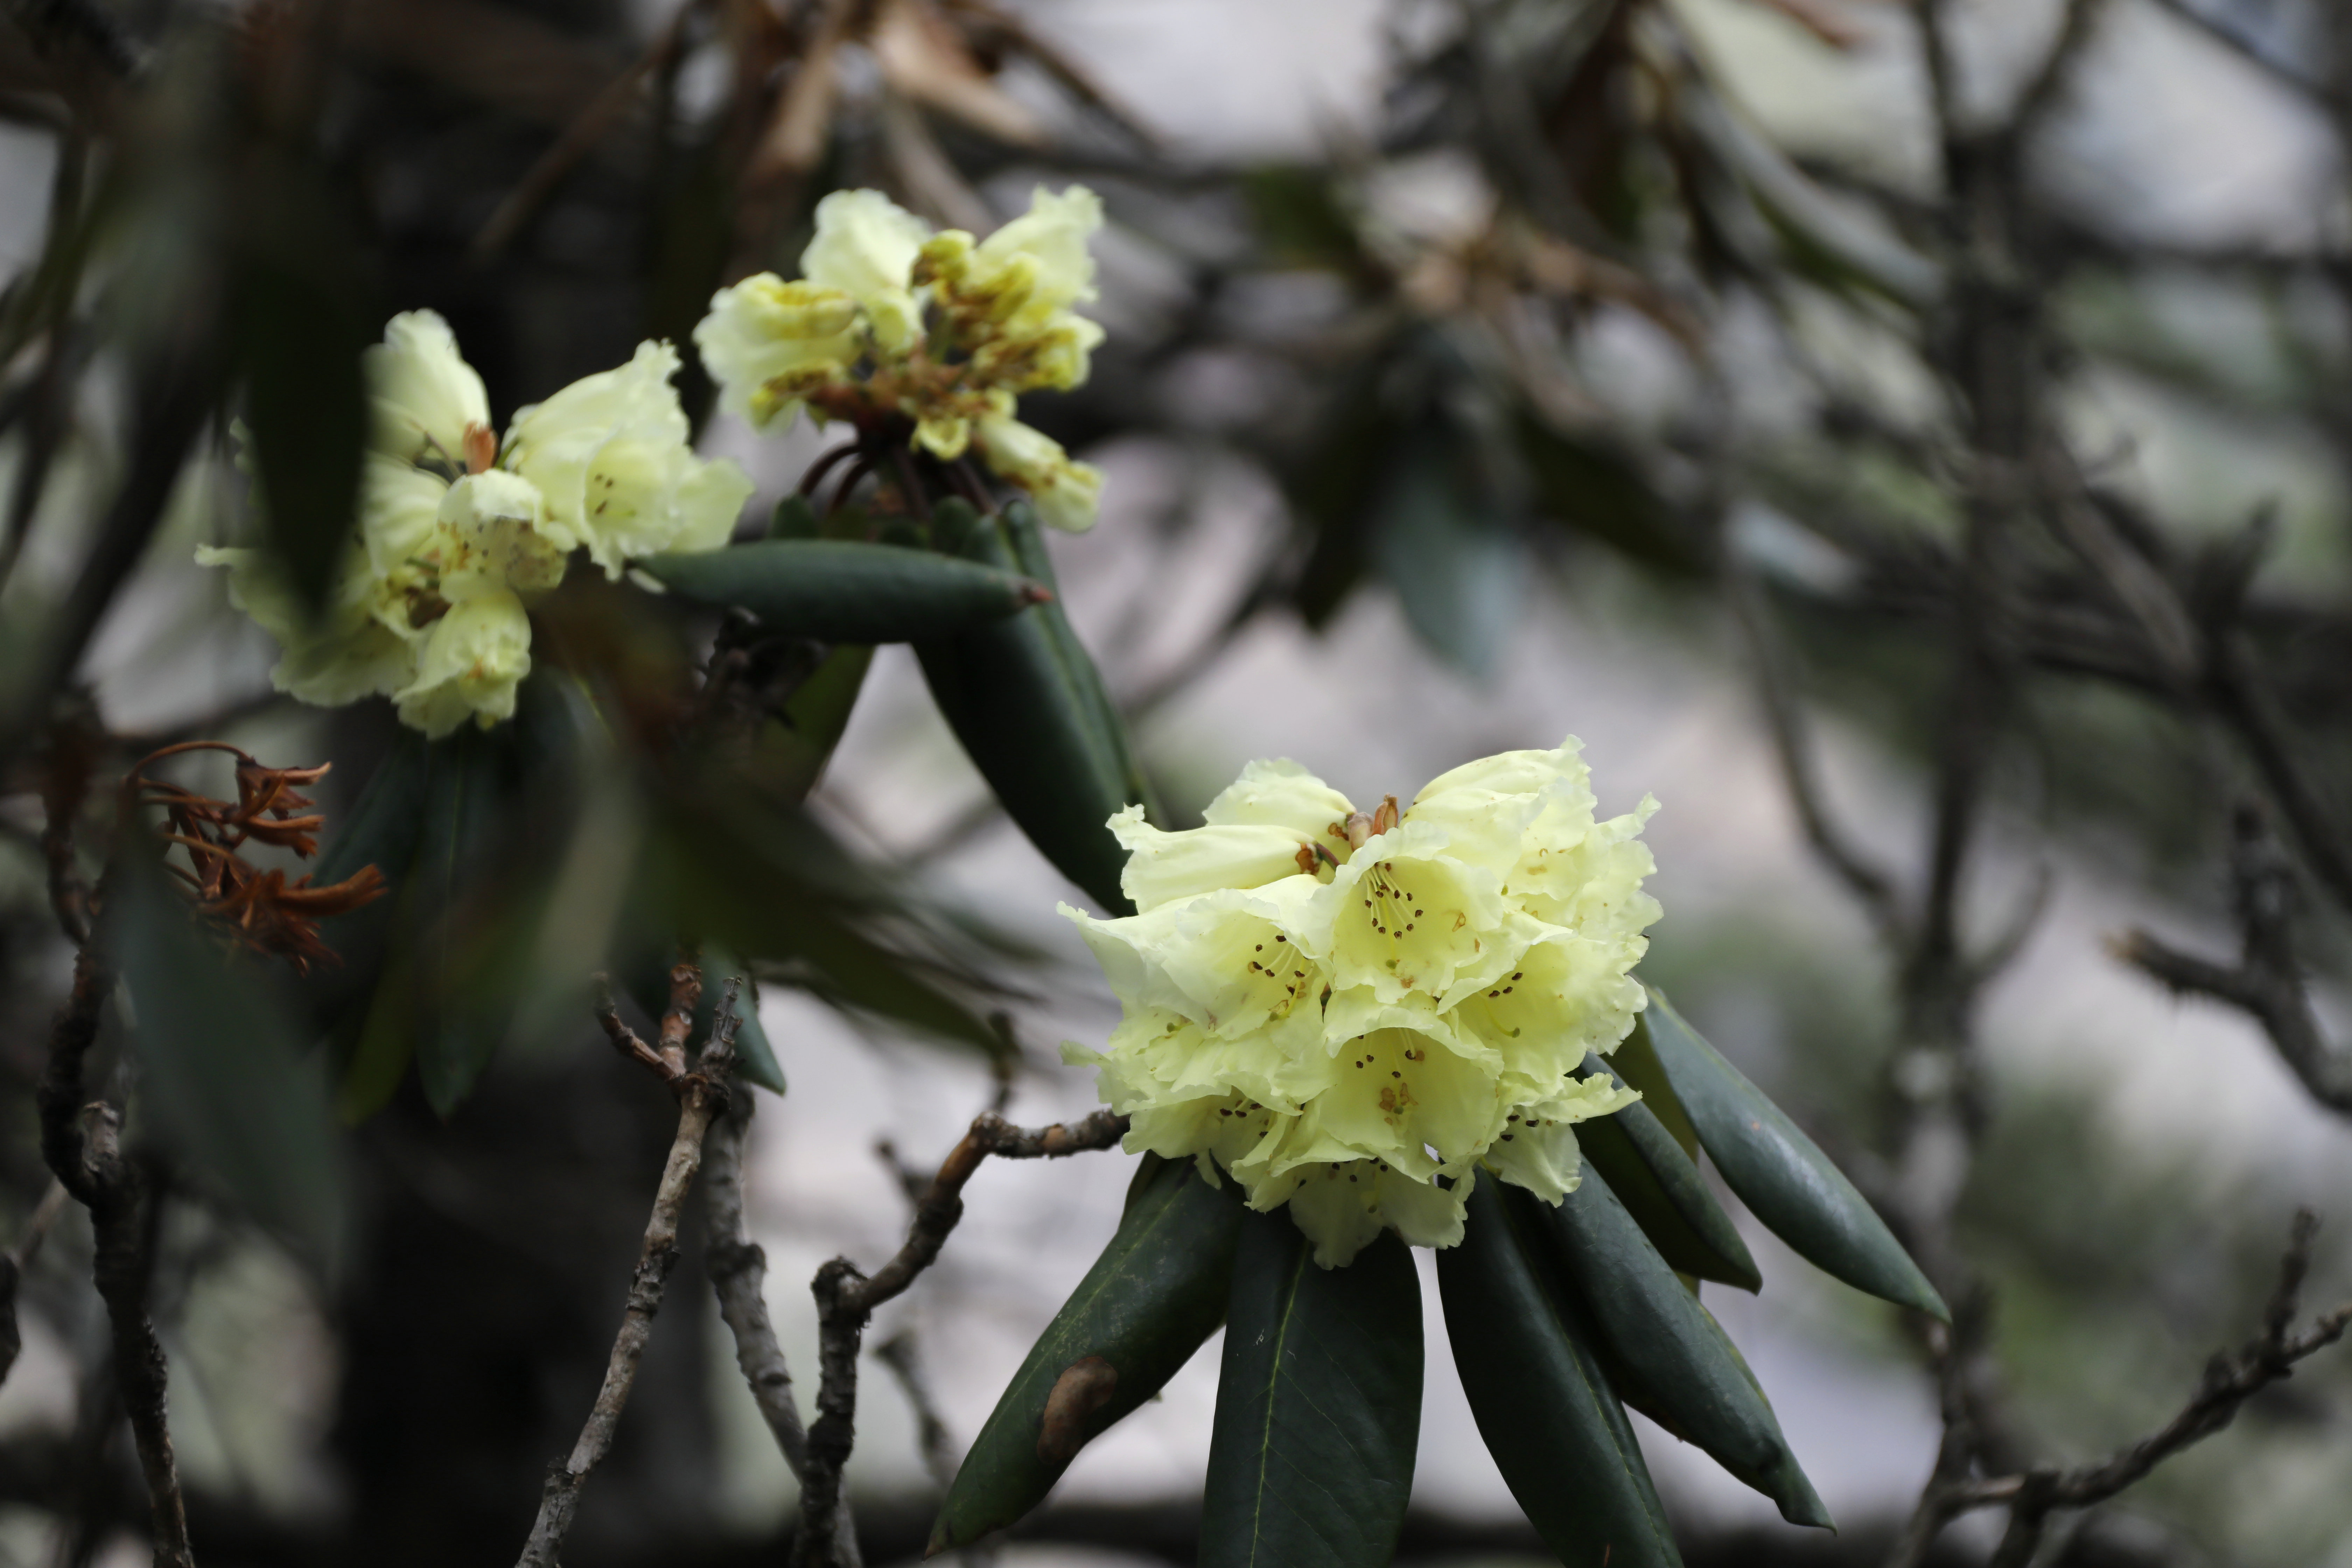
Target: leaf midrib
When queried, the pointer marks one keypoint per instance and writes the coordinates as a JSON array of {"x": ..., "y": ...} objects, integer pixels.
[{"x": 1273, "y": 1384}]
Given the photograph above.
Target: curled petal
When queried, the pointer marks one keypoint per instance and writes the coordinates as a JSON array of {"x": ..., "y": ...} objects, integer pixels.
[
  {"x": 1164, "y": 866},
  {"x": 425, "y": 395}
]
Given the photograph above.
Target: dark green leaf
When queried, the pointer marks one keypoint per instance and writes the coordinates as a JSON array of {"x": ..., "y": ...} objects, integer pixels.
[
  {"x": 300, "y": 326},
  {"x": 842, "y": 591},
  {"x": 1318, "y": 1404},
  {"x": 458, "y": 1027},
  {"x": 1025, "y": 702},
  {"x": 1588, "y": 485},
  {"x": 1158, "y": 1291},
  {"x": 1666, "y": 1353},
  {"x": 1663, "y": 1189},
  {"x": 794, "y": 517},
  {"x": 1452, "y": 557},
  {"x": 223, "y": 1075},
  {"x": 1782, "y": 1175},
  {"x": 745, "y": 879},
  {"x": 382, "y": 826},
  {"x": 794, "y": 750},
  {"x": 1028, "y": 542},
  {"x": 1543, "y": 1402},
  {"x": 1635, "y": 1062}
]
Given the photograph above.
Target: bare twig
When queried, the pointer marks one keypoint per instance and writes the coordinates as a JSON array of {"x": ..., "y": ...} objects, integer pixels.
[
  {"x": 739, "y": 1273},
  {"x": 604, "y": 113},
  {"x": 739, "y": 1268},
  {"x": 2244, "y": 701},
  {"x": 2267, "y": 981},
  {"x": 1872, "y": 886},
  {"x": 2230, "y": 1380},
  {"x": 898, "y": 1354},
  {"x": 702, "y": 1095},
  {"x": 845, "y": 1300},
  {"x": 79, "y": 1143}
]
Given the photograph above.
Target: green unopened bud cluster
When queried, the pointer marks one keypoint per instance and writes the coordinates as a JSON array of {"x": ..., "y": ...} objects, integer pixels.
[
  {"x": 459, "y": 530},
  {"x": 889, "y": 318},
  {"x": 1357, "y": 1013}
]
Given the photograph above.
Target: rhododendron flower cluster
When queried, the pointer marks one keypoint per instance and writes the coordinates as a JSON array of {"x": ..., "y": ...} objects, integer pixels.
[
  {"x": 888, "y": 319},
  {"x": 1357, "y": 1014},
  {"x": 459, "y": 530}
]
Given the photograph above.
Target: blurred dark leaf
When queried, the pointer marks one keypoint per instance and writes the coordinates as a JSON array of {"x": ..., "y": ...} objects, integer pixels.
[
  {"x": 1299, "y": 215},
  {"x": 794, "y": 517},
  {"x": 767, "y": 884},
  {"x": 299, "y": 322},
  {"x": 1782, "y": 1175},
  {"x": 791, "y": 751},
  {"x": 1824, "y": 237},
  {"x": 843, "y": 592},
  {"x": 459, "y": 1022},
  {"x": 1318, "y": 1403},
  {"x": 1543, "y": 1402},
  {"x": 222, "y": 1073},
  {"x": 1597, "y": 491},
  {"x": 1454, "y": 560},
  {"x": 382, "y": 827},
  {"x": 1158, "y": 1291},
  {"x": 1666, "y": 1355}
]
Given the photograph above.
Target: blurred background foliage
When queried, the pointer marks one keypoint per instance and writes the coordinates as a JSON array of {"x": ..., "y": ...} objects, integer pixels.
[{"x": 1954, "y": 400}]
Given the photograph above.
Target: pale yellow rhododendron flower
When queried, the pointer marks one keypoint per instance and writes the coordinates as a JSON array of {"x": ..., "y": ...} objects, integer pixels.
[
  {"x": 1357, "y": 1014},
  {"x": 455, "y": 532},
  {"x": 849, "y": 338},
  {"x": 610, "y": 455}
]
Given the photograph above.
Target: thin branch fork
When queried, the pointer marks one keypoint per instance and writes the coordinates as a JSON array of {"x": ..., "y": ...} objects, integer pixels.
[
  {"x": 702, "y": 1095},
  {"x": 845, "y": 1300},
  {"x": 2229, "y": 1381},
  {"x": 2267, "y": 981},
  {"x": 738, "y": 1273}
]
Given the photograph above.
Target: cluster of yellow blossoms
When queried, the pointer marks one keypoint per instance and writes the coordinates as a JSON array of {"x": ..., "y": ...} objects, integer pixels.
[
  {"x": 1354, "y": 1013},
  {"x": 889, "y": 318},
  {"x": 458, "y": 531}
]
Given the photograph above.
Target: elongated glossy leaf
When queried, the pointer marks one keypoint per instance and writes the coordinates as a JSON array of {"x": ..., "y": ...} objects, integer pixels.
[
  {"x": 1636, "y": 1061},
  {"x": 223, "y": 1075},
  {"x": 1667, "y": 1197},
  {"x": 1782, "y": 1175},
  {"x": 1319, "y": 1406},
  {"x": 844, "y": 591},
  {"x": 1158, "y": 1291},
  {"x": 1543, "y": 1402},
  {"x": 1028, "y": 541},
  {"x": 1649, "y": 1152},
  {"x": 1024, "y": 699},
  {"x": 382, "y": 826},
  {"x": 1666, "y": 1353}
]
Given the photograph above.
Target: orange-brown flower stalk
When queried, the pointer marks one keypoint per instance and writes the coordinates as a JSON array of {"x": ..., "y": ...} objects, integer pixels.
[{"x": 258, "y": 909}]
